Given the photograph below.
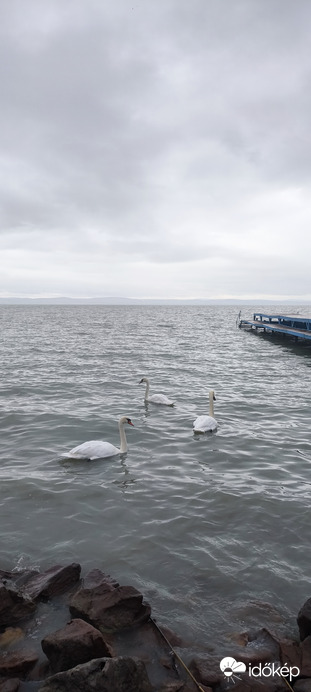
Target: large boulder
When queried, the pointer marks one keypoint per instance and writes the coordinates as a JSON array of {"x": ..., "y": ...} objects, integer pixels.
[
  {"x": 304, "y": 620},
  {"x": 305, "y": 646},
  {"x": 261, "y": 647},
  {"x": 17, "y": 663},
  {"x": 290, "y": 653},
  {"x": 10, "y": 685},
  {"x": 121, "y": 674},
  {"x": 206, "y": 670},
  {"x": 96, "y": 577},
  {"x": 16, "y": 579},
  {"x": 108, "y": 606},
  {"x": 13, "y": 606},
  {"x": 52, "y": 582},
  {"x": 302, "y": 685},
  {"x": 77, "y": 642}
]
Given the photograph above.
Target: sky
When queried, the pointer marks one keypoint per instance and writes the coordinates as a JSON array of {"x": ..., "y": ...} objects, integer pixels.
[{"x": 155, "y": 148}]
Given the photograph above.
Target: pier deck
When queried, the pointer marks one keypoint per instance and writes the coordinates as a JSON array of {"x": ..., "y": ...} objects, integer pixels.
[{"x": 295, "y": 326}]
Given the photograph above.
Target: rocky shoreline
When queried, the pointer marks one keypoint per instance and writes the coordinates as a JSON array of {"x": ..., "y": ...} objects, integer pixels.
[{"x": 109, "y": 641}]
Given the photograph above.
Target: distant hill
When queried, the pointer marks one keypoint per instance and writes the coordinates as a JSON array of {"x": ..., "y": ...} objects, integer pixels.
[{"x": 65, "y": 300}]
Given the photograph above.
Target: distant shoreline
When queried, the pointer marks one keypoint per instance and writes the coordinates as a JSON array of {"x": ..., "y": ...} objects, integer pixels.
[{"x": 146, "y": 301}]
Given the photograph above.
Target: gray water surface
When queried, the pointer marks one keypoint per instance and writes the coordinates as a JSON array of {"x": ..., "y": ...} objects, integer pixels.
[{"x": 213, "y": 529}]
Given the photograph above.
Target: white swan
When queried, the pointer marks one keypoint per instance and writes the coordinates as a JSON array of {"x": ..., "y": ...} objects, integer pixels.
[
  {"x": 155, "y": 398},
  {"x": 204, "y": 424},
  {"x": 96, "y": 449}
]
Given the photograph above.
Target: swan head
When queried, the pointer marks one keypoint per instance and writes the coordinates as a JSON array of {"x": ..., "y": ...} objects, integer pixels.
[
  {"x": 144, "y": 379},
  {"x": 212, "y": 395},
  {"x": 124, "y": 420}
]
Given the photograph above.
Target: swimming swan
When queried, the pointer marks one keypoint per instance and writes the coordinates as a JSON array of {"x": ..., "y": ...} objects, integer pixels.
[
  {"x": 96, "y": 449},
  {"x": 155, "y": 398},
  {"x": 204, "y": 424}
]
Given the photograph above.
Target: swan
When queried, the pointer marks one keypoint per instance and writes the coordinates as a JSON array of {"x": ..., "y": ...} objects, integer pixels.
[
  {"x": 96, "y": 449},
  {"x": 204, "y": 424},
  {"x": 155, "y": 398}
]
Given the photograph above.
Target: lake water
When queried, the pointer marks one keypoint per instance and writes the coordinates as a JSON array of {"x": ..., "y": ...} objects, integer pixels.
[{"x": 213, "y": 529}]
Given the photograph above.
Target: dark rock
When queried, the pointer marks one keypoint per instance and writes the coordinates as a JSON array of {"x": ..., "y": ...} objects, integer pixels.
[
  {"x": 77, "y": 642},
  {"x": 261, "y": 648},
  {"x": 103, "y": 675},
  {"x": 166, "y": 662},
  {"x": 12, "y": 685},
  {"x": 5, "y": 575},
  {"x": 181, "y": 686},
  {"x": 108, "y": 607},
  {"x": 52, "y": 582},
  {"x": 173, "y": 638},
  {"x": 305, "y": 646},
  {"x": 10, "y": 636},
  {"x": 188, "y": 687},
  {"x": 206, "y": 670},
  {"x": 17, "y": 663},
  {"x": 13, "y": 607},
  {"x": 258, "y": 686},
  {"x": 302, "y": 685},
  {"x": 146, "y": 643},
  {"x": 304, "y": 620},
  {"x": 96, "y": 577},
  {"x": 16, "y": 579},
  {"x": 174, "y": 687},
  {"x": 290, "y": 653},
  {"x": 240, "y": 638}
]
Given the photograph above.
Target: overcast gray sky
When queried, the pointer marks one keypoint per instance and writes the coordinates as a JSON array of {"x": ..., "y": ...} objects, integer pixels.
[{"x": 155, "y": 148}]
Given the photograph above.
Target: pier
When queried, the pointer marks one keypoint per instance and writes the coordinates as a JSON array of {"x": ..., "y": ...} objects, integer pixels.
[{"x": 294, "y": 326}]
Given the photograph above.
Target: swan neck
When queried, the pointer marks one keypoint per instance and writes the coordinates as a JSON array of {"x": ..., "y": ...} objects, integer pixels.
[
  {"x": 123, "y": 442},
  {"x": 147, "y": 389},
  {"x": 211, "y": 405}
]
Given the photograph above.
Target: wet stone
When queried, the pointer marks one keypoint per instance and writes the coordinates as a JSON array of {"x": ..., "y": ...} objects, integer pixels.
[
  {"x": 76, "y": 643},
  {"x": 290, "y": 653},
  {"x": 110, "y": 608},
  {"x": 98, "y": 578},
  {"x": 102, "y": 675},
  {"x": 206, "y": 670},
  {"x": 302, "y": 685},
  {"x": 10, "y": 685},
  {"x": 306, "y": 657},
  {"x": 53, "y": 582},
  {"x": 13, "y": 606},
  {"x": 17, "y": 663},
  {"x": 304, "y": 620}
]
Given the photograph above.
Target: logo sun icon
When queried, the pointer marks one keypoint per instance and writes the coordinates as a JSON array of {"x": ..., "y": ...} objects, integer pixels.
[{"x": 230, "y": 667}]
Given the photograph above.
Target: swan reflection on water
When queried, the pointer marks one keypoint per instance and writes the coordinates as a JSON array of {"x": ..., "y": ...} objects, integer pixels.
[{"x": 126, "y": 476}]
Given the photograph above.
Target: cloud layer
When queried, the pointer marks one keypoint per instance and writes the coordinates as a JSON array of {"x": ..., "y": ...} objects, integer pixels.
[{"x": 155, "y": 149}]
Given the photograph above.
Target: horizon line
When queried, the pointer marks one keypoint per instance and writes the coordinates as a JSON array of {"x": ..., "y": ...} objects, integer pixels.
[{"x": 117, "y": 300}]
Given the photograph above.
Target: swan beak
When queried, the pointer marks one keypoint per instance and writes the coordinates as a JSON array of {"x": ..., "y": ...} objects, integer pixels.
[
  {"x": 214, "y": 397},
  {"x": 130, "y": 423},
  {"x": 140, "y": 381}
]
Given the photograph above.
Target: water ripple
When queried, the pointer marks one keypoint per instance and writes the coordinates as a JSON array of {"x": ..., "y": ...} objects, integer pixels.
[{"x": 204, "y": 525}]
